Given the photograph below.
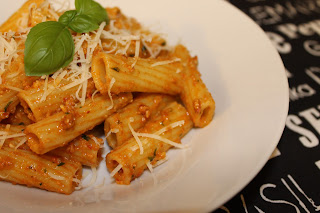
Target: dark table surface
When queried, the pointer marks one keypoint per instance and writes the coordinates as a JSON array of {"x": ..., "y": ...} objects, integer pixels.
[{"x": 290, "y": 181}]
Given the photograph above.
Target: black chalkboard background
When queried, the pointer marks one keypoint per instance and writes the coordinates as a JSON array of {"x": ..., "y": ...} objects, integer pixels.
[{"x": 290, "y": 181}]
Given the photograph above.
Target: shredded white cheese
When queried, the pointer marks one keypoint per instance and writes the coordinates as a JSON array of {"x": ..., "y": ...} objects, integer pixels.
[
  {"x": 13, "y": 88},
  {"x": 5, "y": 135},
  {"x": 94, "y": 93},
  {"x": 4, "y": 177},
  {"x": 113, "y": 80},
  {"x": 117, "y": 169},
  {"x": 11, "y": 136},
  {"x": 93, "y": 177},
  {"x": 96, "y": 141},
  {"x": 23, "y": 140},
  {"x": 149, "y": 166},
  {"x": 115, "y": 130},
  {"x": 135, "y": 135},
  {"x": 121, "y": 39},
  {"x": 162, "y": 139},
  {"x": 56, "y": 177},
  {"x": 170, "y": 126},
  {"x": 8, "y": 51},
  {"x": 165, "y": 62},
  {"x": 160, "y": 162}
]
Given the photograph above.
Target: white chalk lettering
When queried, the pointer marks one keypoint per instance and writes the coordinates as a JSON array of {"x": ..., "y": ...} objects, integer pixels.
[
  {"x": 293, "y": 31},
  {"x": 294, "y": 194},
  {"x": 266, "y": 186},
  {"x": 308, "y": 139},
  {"x": 313, "y": 117},
  {"x": 312, "y": 47},
  {"x": 312, "y": 73},
  {"x": 279, "y": 43},
  {"x": 273, "y": 14},
  {"x": 289, "y": 74},
  {"x": 316, "y": 207},
  {"x": 264, "y": 15},
  {"x": 301, "y": 91}
]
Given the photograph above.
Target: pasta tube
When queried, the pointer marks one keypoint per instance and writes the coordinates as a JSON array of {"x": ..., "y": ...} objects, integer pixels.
[
  {"x": 13, "y": 24},
  {"x": 66, "y": 126},
  {"x": 8, "y": 103},
  {"x": 131, "y": 159},
  {"x": 38, "y": 107},
  {"x": 44, "y": 172},
  {"x": 195, "y": 95},
  {"x": 84, "y": 149},
  {"x": 19, "y": 117},
  {"x": 143, "y": 77},
  {"x": 13, "y": 81},
  {"x": 141, "y": 110}
]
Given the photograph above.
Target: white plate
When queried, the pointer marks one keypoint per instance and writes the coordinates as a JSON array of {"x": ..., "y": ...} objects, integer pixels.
[{"x": 246, "y": 77}]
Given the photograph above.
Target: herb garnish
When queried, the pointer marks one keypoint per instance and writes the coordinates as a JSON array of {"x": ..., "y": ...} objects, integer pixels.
[
  {"x": 154, "y": 155},
  {"x": 49, "y": 45},
  {"x": 86, "y": 137},
  {"x": 6, "y": 107},
  {"x": 61, "y": 164},
  {"x": 116, "y": 69}
]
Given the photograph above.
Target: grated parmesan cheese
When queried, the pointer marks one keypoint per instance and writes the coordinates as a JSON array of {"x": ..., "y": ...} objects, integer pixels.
[
  {"x": 13, "y": 88},
  {"x": 8, "y": 51},
  {"x": 4, "y": 135},
  {"x": 96, "y": 141},
  {"x": 135, "y": 135},
  {"x": 113, "y": 80},
  {"x": 165, "y": 62},
  {"x": 170, "y": 126},
  {"x": 112, "y": 131},
  {"x": 156, "y": 136},
  {"x": 23, "y": 140},
  {"x": 149, "y": 166},
  {"x": 56, "y": 177},
  {"x": 11, "y": 136},
  {"x": 93, "y": 178},
  {"x": 4, "y": 177},
  {"x": 117, "y": 169},
  {"x": 162, "y": 139}
]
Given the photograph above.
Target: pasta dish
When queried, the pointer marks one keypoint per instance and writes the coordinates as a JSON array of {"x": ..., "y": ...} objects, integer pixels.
[{"x": 64, "y": 72}]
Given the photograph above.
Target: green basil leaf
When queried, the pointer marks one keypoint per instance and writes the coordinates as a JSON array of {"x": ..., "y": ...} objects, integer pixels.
[
  {"x": 49, "y": 47},
  {"x": 67, "y": 17},
  {"x": 83, "y": 24},
  {"x": 92, "y": 9}
]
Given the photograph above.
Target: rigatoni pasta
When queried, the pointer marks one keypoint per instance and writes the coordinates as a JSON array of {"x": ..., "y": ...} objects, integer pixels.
[
  {"x": 44, "y": 172},
  {"x": 85, "y": 149},
  {"x": 141, "y": 110},
  {"x": 131, "y": 159},
  {"x": 147, "y": 94},
  {"x": 135, "y": 75},
  {"x": 195, "y": 94},
  {"x": 66, "y": 126},
  {"x": 44, "y": 99}
]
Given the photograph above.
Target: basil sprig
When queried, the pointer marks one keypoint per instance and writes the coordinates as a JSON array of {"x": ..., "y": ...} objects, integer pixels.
[{"x": 49, "y": 45}]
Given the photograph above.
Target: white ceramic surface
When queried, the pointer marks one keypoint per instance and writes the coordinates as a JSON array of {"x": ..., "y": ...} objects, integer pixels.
[{"x": 246, "y": 77}]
